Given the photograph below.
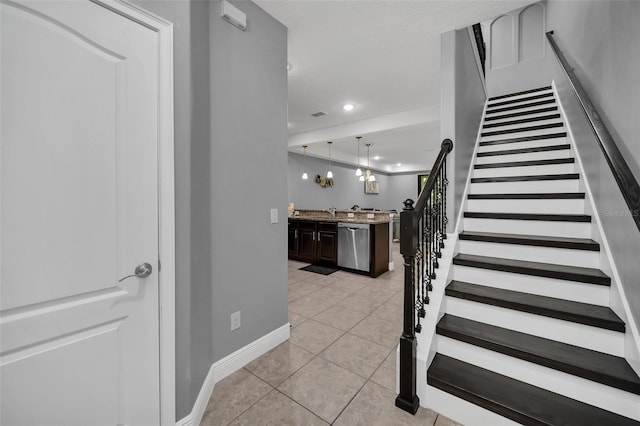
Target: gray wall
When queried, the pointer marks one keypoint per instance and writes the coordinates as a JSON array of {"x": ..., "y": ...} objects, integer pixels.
[
  {"x": 600, "y": 40},
  {"x": 248, "y": 177},
  {"x": 230, "y": 108},
  {"x": 347, "y": 191},
  {"x": 462, "y": 102}
]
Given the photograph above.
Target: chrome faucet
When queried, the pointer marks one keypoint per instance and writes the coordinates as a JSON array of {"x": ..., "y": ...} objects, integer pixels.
[{"x": 331, "y": 210}]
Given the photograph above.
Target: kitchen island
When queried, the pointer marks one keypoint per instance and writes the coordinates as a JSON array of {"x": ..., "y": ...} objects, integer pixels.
[{"x": 356, "y": 241}]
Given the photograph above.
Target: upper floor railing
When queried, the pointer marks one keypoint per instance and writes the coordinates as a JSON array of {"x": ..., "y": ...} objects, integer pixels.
[
  {"x": 422, "y": 234},
  {"x": 622, "y": 173}
]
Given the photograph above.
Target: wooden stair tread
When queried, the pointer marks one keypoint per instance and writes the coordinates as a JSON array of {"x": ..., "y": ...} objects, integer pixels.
[
  {"x": 539, "y": 269},
  {"x": 529, "y": 216},
  {"x": 532, "y": 240},
  {"x": 530, "y": 178},
  {"x": 524, "y": 92},
  {"x": 525, "y": 99},
  {"x": 547, "y": 148},
  {"x": 600, "y": 367},
  {"x": 525, "y": 139},
  {"x": 520, "y": 113},
  {"x": 518, "y": 401},
  {"x": 521, "y": 121},
  {"x": 522, "y": 129},
  {"x": 525, "y": 163},
  {"x": 521, "y": 106},
  {"x": 529, "y": 196},
  {"x": 566, "y": 310}
]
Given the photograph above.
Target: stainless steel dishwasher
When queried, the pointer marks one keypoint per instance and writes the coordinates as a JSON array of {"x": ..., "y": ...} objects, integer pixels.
[{"x": 353, "y": 246}]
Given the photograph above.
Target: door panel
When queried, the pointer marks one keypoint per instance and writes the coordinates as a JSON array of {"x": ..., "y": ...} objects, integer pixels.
[{"x": 79, "y": 210}]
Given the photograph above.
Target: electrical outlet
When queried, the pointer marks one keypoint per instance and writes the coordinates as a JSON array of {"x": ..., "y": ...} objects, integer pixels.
[
  {"x": 370, "y": 215},
  {"x": 350, "y": 215},
  {"x": 235, "y": 320}
]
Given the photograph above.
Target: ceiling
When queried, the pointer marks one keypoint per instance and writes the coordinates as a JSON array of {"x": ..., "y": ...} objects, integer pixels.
[{"x": 383, "y": 57}]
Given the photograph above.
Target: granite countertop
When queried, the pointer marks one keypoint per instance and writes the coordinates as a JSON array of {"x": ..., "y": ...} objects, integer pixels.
[{"x": 342, "y": 216}]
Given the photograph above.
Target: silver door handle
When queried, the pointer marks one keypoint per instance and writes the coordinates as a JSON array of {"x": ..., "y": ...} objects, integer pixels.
[{"x": 143, "y": 270}]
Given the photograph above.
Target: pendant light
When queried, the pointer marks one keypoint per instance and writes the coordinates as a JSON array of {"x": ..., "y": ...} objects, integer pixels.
[
  {"x": 359, "y": 170},
  {"x": 305, "y": 176},
  {"x": 329, "y": 173},
  {"x": 370, "y": 176}
]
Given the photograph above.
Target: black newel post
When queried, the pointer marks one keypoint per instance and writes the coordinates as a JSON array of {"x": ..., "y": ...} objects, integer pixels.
[{"x": 407, "y": 399}]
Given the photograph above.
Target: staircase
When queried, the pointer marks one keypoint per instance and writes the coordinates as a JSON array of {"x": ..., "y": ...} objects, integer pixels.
[{"x": 527, "y": 334}]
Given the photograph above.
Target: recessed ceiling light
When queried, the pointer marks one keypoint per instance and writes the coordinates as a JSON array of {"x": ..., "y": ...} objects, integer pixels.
[
  {"x": 288, "y": 66},
  {"x": 348, "y": 107},
  {"x": 399, "y": 164},
  {"x": 377, "y": 157}
]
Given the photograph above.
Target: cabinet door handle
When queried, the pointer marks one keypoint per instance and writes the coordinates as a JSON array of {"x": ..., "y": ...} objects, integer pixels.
[{"x": 314, "y": 235}]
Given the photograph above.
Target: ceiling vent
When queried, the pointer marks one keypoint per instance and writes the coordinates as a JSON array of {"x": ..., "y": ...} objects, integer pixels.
[{"x": 318, "y": 114}]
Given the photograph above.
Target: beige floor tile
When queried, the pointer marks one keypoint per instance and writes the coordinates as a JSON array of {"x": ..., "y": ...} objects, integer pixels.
[
  {"x": 385, "y": 333},
  {"x": 445, "y": 421},
  {"x": 278, "y": 364},
  {"x": 361, "y": 302},
  {"x": 347, "y": 286},
  {"x": 296, "y": 319},
  {"x": 323, "y": 280},
  {"x": 385, "y": 375},
  {"x": 304, "y": 287},
  {"x": 232, "y": 396},
  {"x": 356, "y": 354},
  {"x": 329, "y": 295},
  {"x": 389, "y": 312},
  {"x": 375, "y": 406},
  {"x": 322, "y": 387},
  {"x": 276, "y": 409},
  {"x": 309, "y": 306},
  {"x": 313, "y": 336},
  {"x": 340, "y": 317}
]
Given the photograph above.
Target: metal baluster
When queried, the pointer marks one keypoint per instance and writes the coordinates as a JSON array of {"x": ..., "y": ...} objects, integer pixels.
[{"x": 445, "y": 183}]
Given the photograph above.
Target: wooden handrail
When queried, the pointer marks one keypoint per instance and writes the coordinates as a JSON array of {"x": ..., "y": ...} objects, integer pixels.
[
  {"x": 422, "y": 235},
  {"x": 627, "y": 182}
]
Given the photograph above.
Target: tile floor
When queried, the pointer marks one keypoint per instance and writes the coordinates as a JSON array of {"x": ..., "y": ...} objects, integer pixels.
[{"x": 337, "y": 368}]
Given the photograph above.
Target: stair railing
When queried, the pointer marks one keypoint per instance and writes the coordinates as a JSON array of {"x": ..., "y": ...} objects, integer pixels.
[
  {"x": 627, "y": 182},
  {"x": 422, "y": 235}
]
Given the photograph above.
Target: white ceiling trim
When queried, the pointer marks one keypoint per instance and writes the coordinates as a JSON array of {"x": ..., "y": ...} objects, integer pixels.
[{"x": 368, "y": 126}]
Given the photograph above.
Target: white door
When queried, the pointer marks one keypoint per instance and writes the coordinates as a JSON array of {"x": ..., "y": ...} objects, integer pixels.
[{"x": 79, "y": 211}]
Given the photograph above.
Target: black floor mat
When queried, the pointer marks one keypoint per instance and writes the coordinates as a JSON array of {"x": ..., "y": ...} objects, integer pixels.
[{"x": 320, "y": 269}]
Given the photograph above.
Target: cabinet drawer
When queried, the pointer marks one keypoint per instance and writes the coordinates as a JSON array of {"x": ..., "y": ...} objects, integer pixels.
[{"x": 328, "y": 226}]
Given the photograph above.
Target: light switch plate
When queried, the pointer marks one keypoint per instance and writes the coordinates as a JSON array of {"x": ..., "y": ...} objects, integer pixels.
[
  {"x": 235, "y": 320},
  {"x": 274, "y": 215}
]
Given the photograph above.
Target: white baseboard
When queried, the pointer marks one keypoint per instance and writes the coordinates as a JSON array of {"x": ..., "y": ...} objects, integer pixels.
[
  {"x": 195, "y": 416},
  {"x": 229, "y": 364},
  {"x": 253, "y": 350}
]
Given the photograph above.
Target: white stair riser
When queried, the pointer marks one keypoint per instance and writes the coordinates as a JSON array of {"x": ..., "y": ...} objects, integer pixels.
[
  {"x": 598, "y": 339},
  {"x": 522, "y": 134},
  {"x": 525, "y": 170},
  {"x": 562, "y": 256},
  {"x": 523, "y": 144},
  {"x": 519, "y": 109},
  {"x": 522, "y": 96},
  {"x": 532, "y": 227},
  {"x": 506, "y": 126},
  {"x": 549, "y": 206},
  {"x": 527, "y": 156},
  {"x": 574, "y": 387},
  {"x": 459, "y": 410},
  {"x": 500, "y": 117},
  {"x": 531, "y": 186},
  {"x": 550, "y": 287}
]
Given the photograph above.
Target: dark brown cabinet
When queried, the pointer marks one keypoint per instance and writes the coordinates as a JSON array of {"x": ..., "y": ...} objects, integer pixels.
[{"x": 313, "y": 242}]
